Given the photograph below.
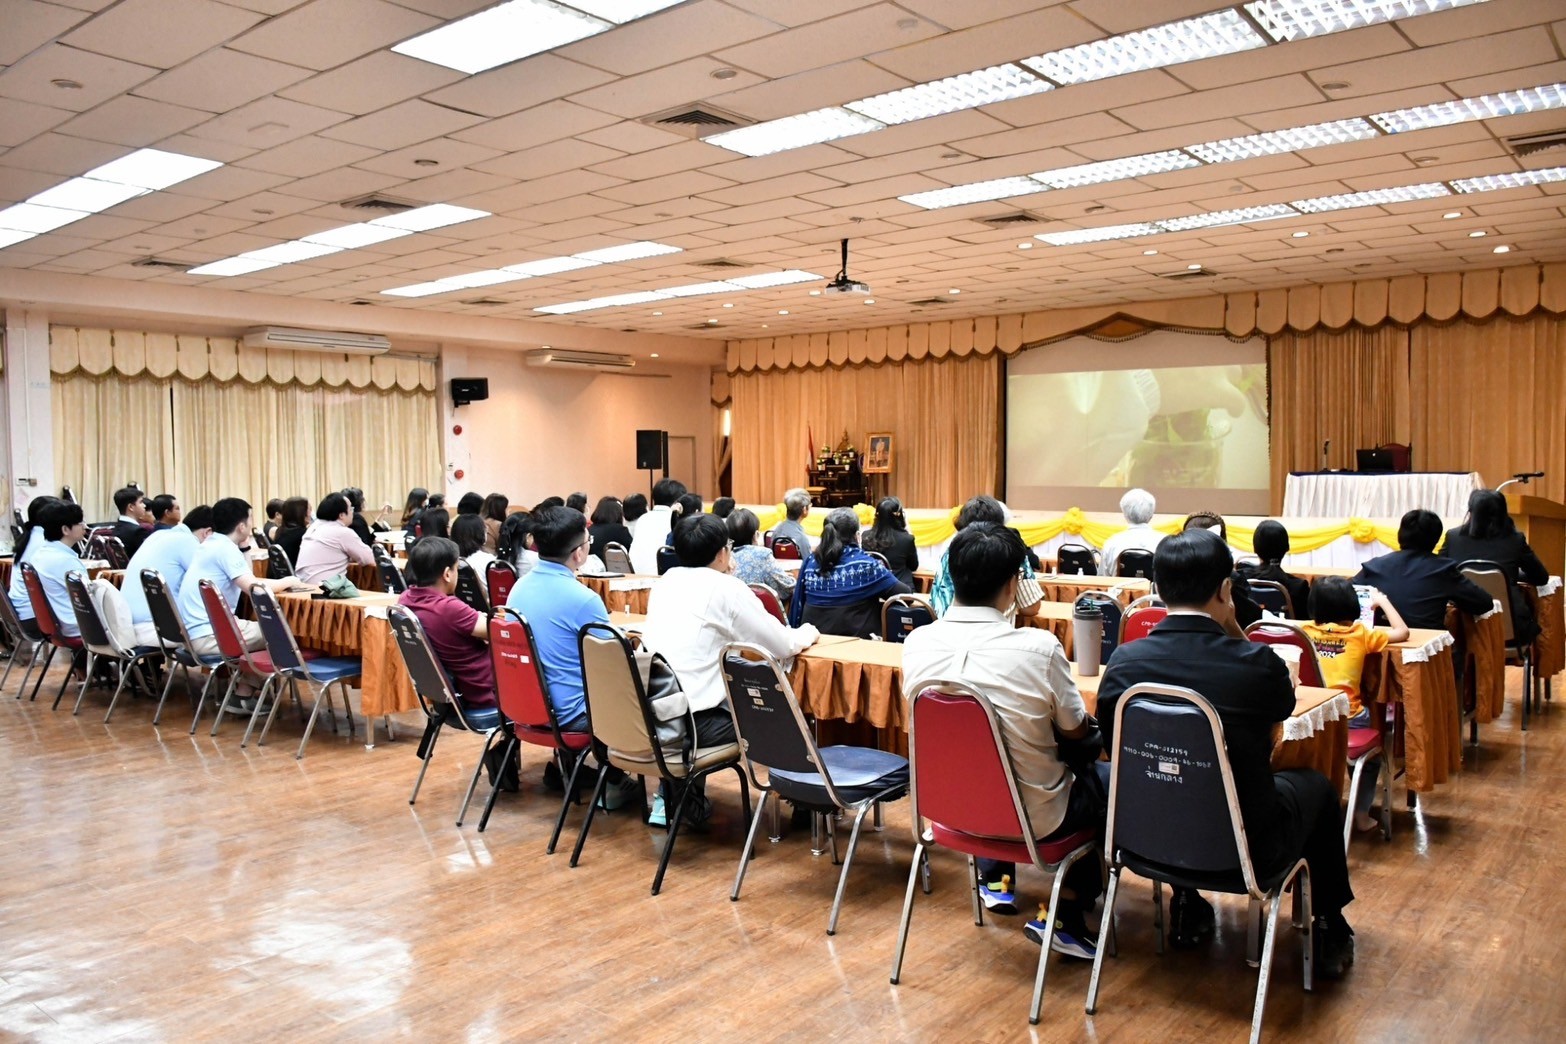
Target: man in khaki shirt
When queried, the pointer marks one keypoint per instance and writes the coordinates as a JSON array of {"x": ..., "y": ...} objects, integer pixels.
[{"x": 1027, "y": 678}]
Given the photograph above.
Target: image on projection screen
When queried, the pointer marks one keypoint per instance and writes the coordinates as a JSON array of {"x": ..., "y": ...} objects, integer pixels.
[{"x": 1195, "y": 434}]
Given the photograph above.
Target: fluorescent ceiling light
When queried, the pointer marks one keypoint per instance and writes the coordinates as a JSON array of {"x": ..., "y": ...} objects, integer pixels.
[
  {"x": 152, "y": 169},
  {"x": 488, "y": 277},
  {"x": 698, "y": 289},
  {"x": 635, "y": 297},
  {"x": 568, "y": 308},
  {"x": 1116, "y": 170},
  {"x": 350, "y": 237},
  {"x": 1222, "y": 32},
  {"x": 287, "y": 253},
  {"x": 626, "y": 252},
  {"x": 551, "y": 265},
  {"x": 422, "y": 219},
  {"x": 1485, "y": 107},
  {"x": 793, "y": 132},
  {"x": 233, "y": 266},
  {"x": 1098, "y": 235},
  {"x": 11, "y": 236},
  {"x": 977, "y": 192},
  {"x": 621, "y": 11},
  {"x": 435, "y": 286},
  {"x": 1374, "y": 197},
  {"x": 501, "y": 34},
  {"x": 1520, "y": 179},
  {"x": 1297, "y": 19},
  {"x": 30, "y": 217},
  {"x": 1290, "y": 140},
  {"x": 767, "y": 279},
  {"x": 966, "y": 91},
  {"x": 1241, "y": 216},
  {"x": 86, "y": 194}
]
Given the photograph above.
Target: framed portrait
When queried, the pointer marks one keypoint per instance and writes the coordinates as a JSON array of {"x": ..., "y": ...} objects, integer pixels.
[{"x": 878, "y": 453}]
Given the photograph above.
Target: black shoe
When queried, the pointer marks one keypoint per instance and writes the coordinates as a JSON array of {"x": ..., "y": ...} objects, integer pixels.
[
  {"x": 1334, "y": 947},
  {"x": 553, "y": 782},
  {"x": 1190, "y": 919}
]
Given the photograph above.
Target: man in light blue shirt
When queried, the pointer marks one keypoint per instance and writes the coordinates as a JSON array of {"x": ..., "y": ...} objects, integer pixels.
[
  {"x": 556, "y": 605},
  {"x": 168, "y": 550},
  {"x": 62, "y": 527},
  {"x": 32, "y": 540},
  {"x": 796, "y": 505},
  {"x": 221, "y": 561}
]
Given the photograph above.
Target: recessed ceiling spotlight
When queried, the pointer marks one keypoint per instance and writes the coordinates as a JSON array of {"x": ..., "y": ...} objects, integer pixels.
[
  {"x": 1193, "y": 268},
  {"x": 1024, "y": 246},
  {"x": 1502, "y": 249},
  {"x": 764, "y": 326},
  {"x": 1478, "y": 235},
  {"x": 67, "y": 85},
  {"x": 728, "y": 304},
  {"x": 907, "y": 24},
  {"x": 1336, "y": 85},
  {"x": 1450, "y": 214},
  {"x": 653, "y": 356},
  {"x": 869, "y": 300},
  {"x": 815, "y": 293},
  {"x": 1149, "y": 253},
  {"x": 782, "y": 311},
  {"x": 723, "y": 74},
  {"x": 1298, "y": 235},
  {"x": 712, "y": 320},
  {"x": 1425, "y": 161},
  {"x": 954, "y": 290},
  {"x": 426, "y": 162},
  {"x": 657, "y": 313}
]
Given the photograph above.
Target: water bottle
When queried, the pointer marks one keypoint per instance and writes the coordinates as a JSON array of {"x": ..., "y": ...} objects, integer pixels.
[{"x": 1087, "y": 630}]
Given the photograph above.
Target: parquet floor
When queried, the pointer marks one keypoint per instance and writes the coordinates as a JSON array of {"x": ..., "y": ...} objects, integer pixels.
[{"x": 159, "y": 886}]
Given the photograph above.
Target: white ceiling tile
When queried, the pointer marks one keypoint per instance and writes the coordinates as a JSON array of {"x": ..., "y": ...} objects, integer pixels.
[
  {"x": 452, "y": 186},
  {"x": 1117, "y": 16},
  {"x": 682, "y": 83},
  {"x": 199, "y": 227},
  {"x": 403, "y": 124},
  {"x": 544, "y": 123},
  {"x": 542, "y": 190},
  {"x": 801, "y": 12},
  {"x": 932, "y": 157},
  {"x": 846, "y": 36},
  {"x": 162, "y": 207},
  {"x": 29, "y": 24},
  {"x": 992, "y": 43},
  {"x": 887, "y": 189},
  {"x": 1474, "y": 57},
  {"x": 961, "y": 14},
  {"x": 61, "y": 154},
  {"x": 445, "y": 9},
  {"x": 1481, "y": 20},
  {"x": 1531, "y": 76},
  {"x": 339, "y": 184},
  {"x": 206, "y": 148},
  {"x": 371, "y": 83},
  {"x": 670, "y": 186},
  {"x": 129, "y": 120},
  {"x": 557, "y": 156},
  {"x": 161, "y": 32},
  {"x": 448, "y": 155},
  {"x": 687, "y": 155},
  {"x": 17, "y": 185},
  {"x": 21, "y": 120},
  {"x": 1258, "y": 96},
  {"x": 1092, "y": 128},
  {"x": 519, "y": 85},
  {"x": 266, "y": 206},
  {"x": 967, "y": 125},
  {"x": 101, "y": 78},
  {"x": 309, "y": 155},
  {"x": 681, "y": 32},
  {"x": 810, "y": 90},
  {"x": 327, "y": 33},
  {"x": 221, "y": 80},
  {"x": 267, "y": 123},
  {"x": 227, "y": 183},
  {"x": 630, "y": 136},
  {"x": 773, "y": 188}
]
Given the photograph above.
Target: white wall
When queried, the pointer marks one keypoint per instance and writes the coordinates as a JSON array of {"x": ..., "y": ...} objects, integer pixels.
[{"x": 547, "y": 432}]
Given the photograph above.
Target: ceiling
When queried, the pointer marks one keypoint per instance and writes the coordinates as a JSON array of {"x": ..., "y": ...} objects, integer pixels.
[{"x": 307, "y": 106}]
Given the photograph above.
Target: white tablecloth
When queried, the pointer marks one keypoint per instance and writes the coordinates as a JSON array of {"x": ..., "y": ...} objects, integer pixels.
[{"x": 1350, "y": 495}]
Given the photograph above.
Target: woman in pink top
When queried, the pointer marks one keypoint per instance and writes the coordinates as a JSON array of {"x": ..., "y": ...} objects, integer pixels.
[{"x": 330, "y": 543}]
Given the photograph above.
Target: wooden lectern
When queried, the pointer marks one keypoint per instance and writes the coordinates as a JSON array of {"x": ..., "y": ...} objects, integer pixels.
[{"x": 1543, "y": 522}]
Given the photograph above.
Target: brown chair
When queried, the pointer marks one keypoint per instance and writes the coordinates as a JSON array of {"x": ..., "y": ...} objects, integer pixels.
[{"x": 1402, "y": 456}]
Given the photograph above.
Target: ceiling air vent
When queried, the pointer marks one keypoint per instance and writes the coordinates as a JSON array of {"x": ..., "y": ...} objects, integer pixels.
[
  {"x": 705, "y": 326},
  {"x": 1529, "y": 144},
  {"x": 696, "y": 121},
  {"x": 361, "y": 302},
  {"x": 928, "y": 301},
  {"x": 154, "y": 262},
  {"x": 1182, "y": 277},
  {"x": 1018, "y": 218},
  {"x": 486, "y": 302},
  {"x": 378, "y": 204},
  {"x": 721, "y": 262}
]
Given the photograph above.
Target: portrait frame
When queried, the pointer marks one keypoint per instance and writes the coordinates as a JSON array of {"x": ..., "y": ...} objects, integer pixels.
[{"x": 878, "y": 453}]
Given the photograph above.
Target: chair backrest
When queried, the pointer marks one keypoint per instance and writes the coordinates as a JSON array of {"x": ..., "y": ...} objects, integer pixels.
[
  {"x": 616, "y": 700},
  {"x": 1282, "y": 632},
  {"x": 11, "y": 622},
  {"x": 1078, "y": 559},
  {"x": 1402, "y": 455},
  {"x": 770, "y": 602},
  {"x": 43, "y": 610},
  {"x": 1497, "y": 583},
  {"x": 391, "y": 577},
  {"x": 165, "y": 614},
  {"x": 278, "y": 564},
  {"x": 667, "y": 560},
  {"x": 110, "y": 549},
  {"x": 617, "y": 559},
  {"x": 430, "y": 682},
  {"x": 225, "y": 628},
  {"x": 1273, "y": 597},
  {"x": 768, "y": 723},
  {"x": 784, "y": 548},
  {"x": 1135, "y": 561},
  {"x": 281, "y": 646},
  {"x": 1112, "y": 615},
  {"x": 1140, "y": 621},
  {"x": 500, "y": 577},
  {"x": 468, "y": 590},
  {"x": 94, "y": 634},
  {"x": 879, "y": 557},
  {"x": 521, "y": 689},
  {"x": 902, "y": 614},
  {"x": 1171, "y": 792}
]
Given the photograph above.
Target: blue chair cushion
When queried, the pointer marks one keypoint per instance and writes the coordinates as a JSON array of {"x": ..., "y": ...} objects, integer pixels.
[
  {"x": 331, "y": 668},
  {"x": 858, "y": 773},
  {"x": 190, "y": 659},
  {"x": 482, "y": 719}
]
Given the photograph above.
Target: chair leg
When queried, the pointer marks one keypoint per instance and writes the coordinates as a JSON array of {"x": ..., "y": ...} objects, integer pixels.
[
  {"x": 848, "y": 861},
  {"x": 1526, "y": 700},
  {"x": 565, "y": 803},
  {"x": 1158, "y": 916},
  {"x": 973, "y": 892},
  {"x": 902, "y": 929},
  {"x": 676, "y": 820},
  {"x": 1049, "y": 932},
  {"x": 255, "y": 712},
  {"x": 592, "y": 807},
  {"x": 467, "y": 798},
  {"x": 923, "y": 862},
  {"x": 509, "y": 751},
  {"x": 168, "y": 684},
  {"x": 228, "y": 694},
  {"x": 125, "y": 676},
  {"x": 277, "y": 704},
  {"x": 1266, "y": 966},
  {"x": 48, "y": 662},
  {"x": 1302, "y": 888},
  {"x": 315, "y": 714},
  {"x": 429, "y": 752},
  {"x": 64, "y": 683},
  {"x": 81, "y": 690},
  {"x": 1109, "y": 919},
  {"x": 750, "y": 844},
  {"x": 1353, "y": 795},
  {"x": 1386, "y": 796},
  {"x": 32, "y": 662}
]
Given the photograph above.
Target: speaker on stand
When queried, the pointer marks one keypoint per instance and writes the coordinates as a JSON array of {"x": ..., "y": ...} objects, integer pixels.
[{"x": 652, "y": 454}]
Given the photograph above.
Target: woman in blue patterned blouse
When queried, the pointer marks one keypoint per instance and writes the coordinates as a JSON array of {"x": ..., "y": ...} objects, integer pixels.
[{"x": 841, "y": 587}]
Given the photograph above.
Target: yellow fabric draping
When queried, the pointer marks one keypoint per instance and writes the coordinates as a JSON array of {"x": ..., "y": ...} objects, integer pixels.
[
  {"x": 110, "y": 432},
  {"x": 1405, "y": 300},
  {"x": 130, "y": 353},
  {"x": 944, "y": 415}
]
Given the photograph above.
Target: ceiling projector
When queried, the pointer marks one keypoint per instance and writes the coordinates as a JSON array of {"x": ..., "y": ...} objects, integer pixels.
[{"x": 841, "y": 284}]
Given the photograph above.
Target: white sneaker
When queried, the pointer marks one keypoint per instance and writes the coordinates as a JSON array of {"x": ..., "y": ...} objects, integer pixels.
[{"x": 658, "y": 817}]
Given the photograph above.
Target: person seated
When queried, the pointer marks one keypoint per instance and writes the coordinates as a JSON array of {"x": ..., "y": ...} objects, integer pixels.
[
  {"x": 170, "y": 552},
  {"x": 1138, "y": 506},
  {"x": 418, "y": 497},
  {"x": 1342, "y": 642},
  {"x": 63, "y": 529},
  {"x": 1271, "y": 543},
  {"x": 166, "y": 512},
  {"x": 458, "y": 634},
  {"x": 363, "y": 529},
  {"x": 635, "y": 507},
  {"x": 1246, "y": 610},
  {"x": 693, "y": 611},
  {"x": 330, "y": 545},
  {"x": 984, "y": 510},
  {"x": 841, "y": 587},
  {"x": 753, "y": 563},
  {"x": 652, "y": 529},
  {"x": 609, "y": 527},
  {"x": 577, "y": 502},
  {"x": 516, "y": 543},
  {"x": 1419, "y": 582},
  {"x": 220, "y": 560},
  {"x": 723, "y": 507},
  {"x": 470, "y": 504},
  {"x": 1488, "y": 533},
  {"x": 31, "y": 540},
  {"x": 274, "y": 519},
  {"x": 296, "y": 519},
  {"x": 468, "y": 532},
  {"x": 494, "y": 512},
  {"x": 688, "y": 506},
  {"x": 1024, "y": 672},
  {"x": 135, "y": 520},
  {"x": 1288, "y": 814},
  {"x": 889, "y": 538},
  {"x": 435, "y": 521},
  {"x": 796, "y": 507}
]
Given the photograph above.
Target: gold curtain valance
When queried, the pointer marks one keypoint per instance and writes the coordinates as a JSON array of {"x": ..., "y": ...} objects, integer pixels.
[
  {"x": 193, "y": 357},
  {"x": 1403, "y": 301}
]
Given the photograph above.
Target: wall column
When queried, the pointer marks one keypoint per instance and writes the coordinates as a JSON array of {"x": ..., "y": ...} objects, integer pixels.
[{"x": 28, "y": 431}]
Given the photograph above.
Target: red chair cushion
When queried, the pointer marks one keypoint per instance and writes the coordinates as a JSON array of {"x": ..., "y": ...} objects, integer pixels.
[
  {"x": 67, "y": 642},
  {"x": 263, "y": 660},
  {"x": 1051, "y": 852},
  {"x": 1362, "y": 742},
  {"x": 544, "y": 736}
]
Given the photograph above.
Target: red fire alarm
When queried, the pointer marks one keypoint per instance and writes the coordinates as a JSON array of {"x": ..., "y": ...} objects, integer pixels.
[
  {"x": 457, "y": 473},
  {"x": 456, "y": 429}
]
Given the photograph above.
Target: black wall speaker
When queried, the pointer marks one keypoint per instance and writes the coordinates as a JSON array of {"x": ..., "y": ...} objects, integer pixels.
[
  {"x": 652, "y": 450},
  {"x": 469, "y": 389}
]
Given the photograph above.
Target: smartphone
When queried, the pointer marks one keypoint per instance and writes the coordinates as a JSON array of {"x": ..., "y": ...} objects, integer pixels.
[{"x": 1367, "y": 611}]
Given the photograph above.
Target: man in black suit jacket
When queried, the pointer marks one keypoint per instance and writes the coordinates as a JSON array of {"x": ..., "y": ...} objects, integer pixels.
[
  {"x": 1287, "y": 814},
  {"x": 135, "y": 520},
  {"x": 1418, "y": 582}
]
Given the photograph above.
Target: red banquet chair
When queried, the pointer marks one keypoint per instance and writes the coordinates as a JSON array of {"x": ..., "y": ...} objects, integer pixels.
[
  {"x": 1281, "y": 632},
  {"x": 770, "y": 602},
  {"x": 500, "y": 577},
  {"x": 49, "y": 626}
]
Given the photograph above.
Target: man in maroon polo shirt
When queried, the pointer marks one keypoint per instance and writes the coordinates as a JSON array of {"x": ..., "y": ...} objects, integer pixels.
[{"x": 458, "y": 633}]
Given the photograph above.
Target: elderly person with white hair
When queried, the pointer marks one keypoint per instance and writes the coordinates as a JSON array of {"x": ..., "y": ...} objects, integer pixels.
[
  {"x": 1138, "y": 506},
  {"x": 796, "y": 505}
]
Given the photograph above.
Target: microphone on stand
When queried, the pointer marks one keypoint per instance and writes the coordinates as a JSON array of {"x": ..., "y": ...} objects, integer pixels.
[
  {"x": 1325, "y": 446},
  {"x": 1521, "y": 478}
]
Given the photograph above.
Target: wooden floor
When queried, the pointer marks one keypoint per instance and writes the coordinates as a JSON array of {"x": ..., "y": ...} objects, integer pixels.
[{"x": 158, "y": 886}]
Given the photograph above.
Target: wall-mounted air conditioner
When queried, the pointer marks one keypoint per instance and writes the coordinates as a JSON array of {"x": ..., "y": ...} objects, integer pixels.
[
  {"x": 316, "y": 340},
  {"x": 563, "y": 359}
]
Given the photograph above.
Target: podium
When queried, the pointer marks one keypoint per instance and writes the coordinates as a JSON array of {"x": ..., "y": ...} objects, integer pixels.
[{"x": 1543, "y": 522}]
